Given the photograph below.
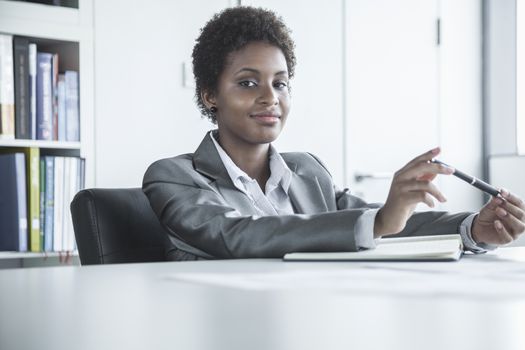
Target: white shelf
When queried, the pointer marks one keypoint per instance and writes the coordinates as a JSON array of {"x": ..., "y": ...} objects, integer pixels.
[
  {"x": 30, "y": 255},
  {"x": 40, "y": 144},
  {"x": 54, "y": 22},
  {"x": 68, "y": 32}
]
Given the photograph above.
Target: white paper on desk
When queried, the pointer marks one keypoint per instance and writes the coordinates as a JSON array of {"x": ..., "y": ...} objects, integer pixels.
[{"x": 407, "y": 279}]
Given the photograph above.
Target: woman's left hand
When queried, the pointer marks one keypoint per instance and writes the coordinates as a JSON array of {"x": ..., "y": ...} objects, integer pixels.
[{"x": 500, "y": 221}]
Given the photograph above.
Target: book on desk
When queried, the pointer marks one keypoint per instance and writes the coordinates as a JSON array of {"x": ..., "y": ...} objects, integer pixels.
[{"x": 418, "y": 248}]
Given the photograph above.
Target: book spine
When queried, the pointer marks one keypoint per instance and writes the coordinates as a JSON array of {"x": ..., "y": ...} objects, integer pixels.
[
  {"x": 54, "y": 76},
  {"x": 21, "y": 65},
  {"x": 44, "y": 96},
  {"x": 9, "y": 208},
  {"x": 72, "y": 107},
  {"x": 49, "y": 203},
  {"x": 66, "y": 212},
  {"x": 32, "y": 88},
  {"x": 42, "y": 173},
  {"x": 61, "y": 87},
  {"x": 33, "y": 166},
  {"x": 22, "y": 201},
  {"x": 58, "y": 213},
  {"x": 7, "y": 89}
]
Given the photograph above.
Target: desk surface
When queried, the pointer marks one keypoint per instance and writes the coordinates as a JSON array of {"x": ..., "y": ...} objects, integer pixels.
[{"x": 476, "y": 303}]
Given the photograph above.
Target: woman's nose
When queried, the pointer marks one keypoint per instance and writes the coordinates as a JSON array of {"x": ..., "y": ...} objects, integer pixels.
[{"x": 268, "y": 96}]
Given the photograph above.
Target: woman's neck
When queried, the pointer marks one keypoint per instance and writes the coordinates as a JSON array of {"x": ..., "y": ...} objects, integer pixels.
[{"x": 252, "y": 159}]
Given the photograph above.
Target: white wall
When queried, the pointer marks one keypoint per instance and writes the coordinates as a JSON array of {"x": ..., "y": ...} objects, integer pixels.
[
  {"x": 460, "y": 64},
  {"x": 501, "y": 77},
  {"x": 142, "y": 111}
]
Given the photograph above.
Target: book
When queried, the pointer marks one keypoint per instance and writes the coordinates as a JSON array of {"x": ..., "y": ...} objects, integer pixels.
[
  {"x": 32, "y": 88},
  {"x": 72, "y": 106},
  {"x": 61, "y": 96},
  {"x": 44, "y": 96},
  {"x": 32, "y": 162},
  {"x": 13, "y": 202},
  {"x": 58, "y": 204},
  {"x": 7, "y": 89},
  {"x": 22, "y": 102},
  {"x": 33, "y": 188},
  {"x": 418, "y": 248},
  {"x": 42, "y": 201},
  {"x": 49, "y": 203},
  {"x": 54, "y": 79},
  {"x": 66, "y": 213}
]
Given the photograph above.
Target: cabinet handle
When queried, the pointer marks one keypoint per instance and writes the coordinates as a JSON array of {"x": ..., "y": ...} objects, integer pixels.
[{"x": 359, "y": 177}]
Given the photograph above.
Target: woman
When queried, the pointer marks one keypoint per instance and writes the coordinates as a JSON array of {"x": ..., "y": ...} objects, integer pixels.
[{"x": 237, "y": 197}]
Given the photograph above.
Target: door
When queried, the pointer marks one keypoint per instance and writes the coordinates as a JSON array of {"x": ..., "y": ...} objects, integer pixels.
[{"x": 392, "y": 92}]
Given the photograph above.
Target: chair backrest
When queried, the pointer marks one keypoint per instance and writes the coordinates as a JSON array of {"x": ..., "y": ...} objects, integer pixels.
[{"x": 116, "y": 226}]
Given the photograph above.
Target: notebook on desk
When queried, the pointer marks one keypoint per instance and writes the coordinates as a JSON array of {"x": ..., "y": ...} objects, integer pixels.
[{"x": 420, "y": 248}]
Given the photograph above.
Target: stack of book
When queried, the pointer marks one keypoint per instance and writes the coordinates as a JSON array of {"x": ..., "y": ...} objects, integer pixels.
[
  {"x": 35, "y": 194},
  {"x": 36, "y": 101}
]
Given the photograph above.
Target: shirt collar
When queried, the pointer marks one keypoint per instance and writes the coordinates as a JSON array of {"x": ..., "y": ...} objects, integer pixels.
[{"x": 280, "y": 174}]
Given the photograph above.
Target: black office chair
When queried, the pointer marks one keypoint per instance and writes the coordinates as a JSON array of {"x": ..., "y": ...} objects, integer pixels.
[{"x": 117, "y": 226}]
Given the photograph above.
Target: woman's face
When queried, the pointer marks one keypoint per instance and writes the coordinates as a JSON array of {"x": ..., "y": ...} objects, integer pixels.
[{"x": 252, "y": 96}]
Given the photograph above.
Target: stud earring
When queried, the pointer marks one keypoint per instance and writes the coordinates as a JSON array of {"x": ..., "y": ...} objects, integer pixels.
[{"x": 213, "y": 109}]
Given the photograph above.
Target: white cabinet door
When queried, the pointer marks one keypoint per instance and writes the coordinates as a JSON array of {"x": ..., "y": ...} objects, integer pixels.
[
  {"x": 392, "y": 89},
  {"x": 143, "y": 111}
]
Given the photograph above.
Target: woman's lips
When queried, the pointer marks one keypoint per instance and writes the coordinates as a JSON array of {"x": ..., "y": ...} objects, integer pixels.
[{"x": 266, "y": 118}]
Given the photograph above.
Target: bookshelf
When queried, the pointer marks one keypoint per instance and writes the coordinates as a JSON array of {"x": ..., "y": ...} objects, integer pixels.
[{"x": 68, "y": 32}]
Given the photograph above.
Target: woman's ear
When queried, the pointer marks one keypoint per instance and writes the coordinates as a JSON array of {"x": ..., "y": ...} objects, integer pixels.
[{"x": 208, "y": 98}]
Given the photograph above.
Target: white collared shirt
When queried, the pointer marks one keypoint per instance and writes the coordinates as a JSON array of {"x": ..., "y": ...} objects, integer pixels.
[{"x": 275, "y": 199}]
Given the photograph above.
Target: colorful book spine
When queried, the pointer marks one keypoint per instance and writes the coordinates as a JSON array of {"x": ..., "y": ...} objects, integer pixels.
[
  {"x": 13, "y": 198},
  {"x": 42, "y": 200},
  {"x": 54, "y": 77},
  {"x": 33, "y": 169},
  {"x": 72, "y": 106},
  {"x": 22, "y": 108},
  {"x": 49, "y": 203},
  {"x": 58, "y": 212},
  {"x": 61, "y": 92},
  {"x": 7, "y": 89},
  {"x": 44, "y": 96},
  {"x": 32, "y": 88}
]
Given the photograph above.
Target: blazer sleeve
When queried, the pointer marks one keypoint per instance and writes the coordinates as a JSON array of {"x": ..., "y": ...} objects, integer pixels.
[
  {"x": 190, "y": 208},
  {"x": 419, "y": 224}
]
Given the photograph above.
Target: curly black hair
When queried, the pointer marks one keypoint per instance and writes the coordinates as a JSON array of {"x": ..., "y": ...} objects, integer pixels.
[{"x": 229, "y": 31}]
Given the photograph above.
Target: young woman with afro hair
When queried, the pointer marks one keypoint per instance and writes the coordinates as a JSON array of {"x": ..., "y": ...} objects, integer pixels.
[{"x": 237, "y": 197}]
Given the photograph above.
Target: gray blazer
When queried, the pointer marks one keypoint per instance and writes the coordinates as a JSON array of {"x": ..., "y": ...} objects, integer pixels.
[{"x": 207, "y": 216}]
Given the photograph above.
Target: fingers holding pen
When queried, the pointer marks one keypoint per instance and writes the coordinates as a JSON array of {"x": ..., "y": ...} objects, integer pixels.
[
  {"x": 511, "y": 214},
  {"x": 425, "y": 187},
  {"x": 425, "y": 157},
  {"x": 411, "y": 185},
  {"x": 424, "y": 169}
]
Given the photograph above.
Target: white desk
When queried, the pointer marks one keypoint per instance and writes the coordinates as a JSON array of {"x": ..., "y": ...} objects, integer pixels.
[{"x": 279, "y": 306}]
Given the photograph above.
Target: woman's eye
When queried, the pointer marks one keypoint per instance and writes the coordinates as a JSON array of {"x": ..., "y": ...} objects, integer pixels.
[
  {"x": 280, "y": 85},
  {"x": 247, "y": 83}
]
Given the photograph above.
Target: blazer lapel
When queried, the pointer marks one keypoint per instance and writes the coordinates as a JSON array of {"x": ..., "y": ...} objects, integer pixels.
[
  {"x": 206, "y": 160},
  {"x": 305, "y": 193}
]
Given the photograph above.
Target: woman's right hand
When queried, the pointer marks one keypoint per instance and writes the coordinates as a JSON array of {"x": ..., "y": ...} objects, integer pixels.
[{"x": 411, "y": 185}]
